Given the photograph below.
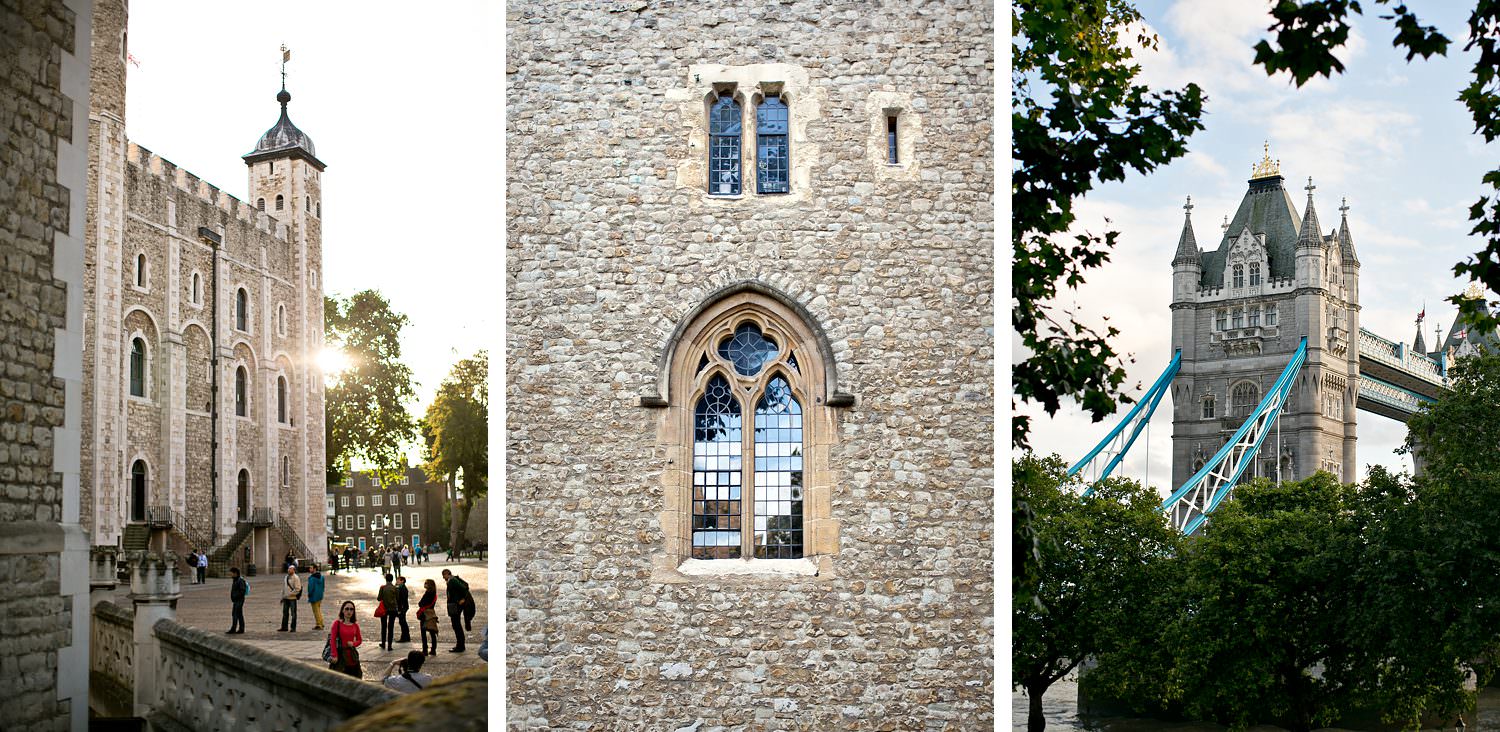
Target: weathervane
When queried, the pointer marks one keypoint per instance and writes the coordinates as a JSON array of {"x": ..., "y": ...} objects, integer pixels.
[
  {"x": 286, "y": 55},
  {"x": 1267, "y": 167}
]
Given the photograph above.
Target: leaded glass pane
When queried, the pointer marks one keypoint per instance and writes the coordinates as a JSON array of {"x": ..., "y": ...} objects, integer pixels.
[
  {"x": 748, "y": 349},
  {"x": 137, "y": 368},
  {"x": 724, "y": 147},
  {"x": 778, "y": 473},
  {"x": 791, "y": 360},
  {"x": 772, "y": 153},
  {"x": 716, "y": 473}
]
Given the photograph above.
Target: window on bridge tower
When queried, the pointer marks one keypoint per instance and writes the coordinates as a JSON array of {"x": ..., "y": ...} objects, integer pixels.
[
  {"x": 1270, "y": 315},
  {"x": 1254, "y": 273},
  {"x": 1208, "y": 407},
  {"x": 1244, "y": 398},
  {"x": 1254, "y": 315},
  {"x": 1239, "y": 275},
  {"x": 1239, "y": 318},
  {"x": 1223, "y": 319}
]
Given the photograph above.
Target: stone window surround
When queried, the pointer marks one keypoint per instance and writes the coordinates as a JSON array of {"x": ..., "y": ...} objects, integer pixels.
[
  {"x": 236, "y": 366},
  {"x": 195, "y": 294},
  {"x": 127, "y": 494},
  {"x": 281, "y": 319},
  {"x": 879, "y": 107},
  {"x": 674, "y": 438},
  {"x": 234, "y": 315},
  {"x": 148, "y": 384},
  {"x": 141, "y": 281},
  {"x": 1209, "y": 406}
]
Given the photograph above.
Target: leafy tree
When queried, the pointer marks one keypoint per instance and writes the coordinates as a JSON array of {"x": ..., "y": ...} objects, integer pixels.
[
  {"x": 1102, "y": 559},
  {"x": 1077, "y": 118},
  {"x": 456, "y": 432},
  {"x": 365, "y": 406},
  {"x": 1261, "y": 607}
]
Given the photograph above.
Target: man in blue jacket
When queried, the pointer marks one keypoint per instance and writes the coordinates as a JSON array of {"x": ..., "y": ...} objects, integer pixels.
[{"x": 315, "y": 595}]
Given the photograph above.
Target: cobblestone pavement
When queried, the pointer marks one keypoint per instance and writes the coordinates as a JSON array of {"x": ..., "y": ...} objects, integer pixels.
[{"x": 207, "y": 607}]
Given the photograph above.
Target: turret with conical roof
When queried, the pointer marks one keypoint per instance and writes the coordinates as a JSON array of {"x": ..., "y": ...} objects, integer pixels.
[
  {"x": 1311, "y": 251},
  {"x": 1187, "y": 265}
]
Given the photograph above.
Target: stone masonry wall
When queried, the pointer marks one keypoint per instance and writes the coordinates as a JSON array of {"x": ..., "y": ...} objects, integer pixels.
[
  {"x": 43, "y": 98},
  {"x": 613, "y": 240}
]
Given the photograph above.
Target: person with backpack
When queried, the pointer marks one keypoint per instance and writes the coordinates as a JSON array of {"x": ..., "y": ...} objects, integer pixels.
[
  {"x": 395, "y": 561},
  {"x": 315, "y": 595},
  {"x": 404, "y": 674},
  {"x": 460, "y": 604},
  {"x": 238, "y": 589}
]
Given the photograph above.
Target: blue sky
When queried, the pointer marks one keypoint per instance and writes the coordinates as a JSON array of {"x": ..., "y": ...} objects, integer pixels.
[{"x": 1386, "y": 134}]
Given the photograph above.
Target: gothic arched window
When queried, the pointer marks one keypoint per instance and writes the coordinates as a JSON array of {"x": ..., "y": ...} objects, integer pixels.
[
  {"x": 772, "y": 153},
  {"x": 724, "y": 147},
  {"x": 281, "y": 399},
  {"x": 241, "y": 309},
  {"x": 1254, "y": 273},
  {"x": 138, "y": 367},
  {"x": 747, "y": 487},
  {"x": 241, "y": 392},
  {"x": 1239, "y": 275},
  {"x": 1244, "y": 398}
]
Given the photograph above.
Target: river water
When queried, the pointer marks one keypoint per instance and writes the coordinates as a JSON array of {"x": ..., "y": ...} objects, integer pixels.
[{"x": 1060, "y": 706}]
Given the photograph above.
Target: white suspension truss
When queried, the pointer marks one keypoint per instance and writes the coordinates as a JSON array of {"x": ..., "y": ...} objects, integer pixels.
[{"x": 1191, "y": 504}]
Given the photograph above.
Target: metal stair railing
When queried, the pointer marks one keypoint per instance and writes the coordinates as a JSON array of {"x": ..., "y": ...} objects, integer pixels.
[{"x": 292, "y": 538}]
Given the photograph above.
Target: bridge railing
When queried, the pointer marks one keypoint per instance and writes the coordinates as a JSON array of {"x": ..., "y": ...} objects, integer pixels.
[
  {"x": 1389, "y": 395},
  {"x": 1397, "y": 356}
]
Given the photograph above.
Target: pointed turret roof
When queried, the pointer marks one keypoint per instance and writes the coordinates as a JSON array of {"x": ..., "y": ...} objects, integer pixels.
[
  {"x": 1187, "y": 244},
  {"x": 1418, "y": 344},
  {"x": 1310, "y": 234},
  {"x": 284, "y": 140},
  {"x": 1346, "y": 242}
]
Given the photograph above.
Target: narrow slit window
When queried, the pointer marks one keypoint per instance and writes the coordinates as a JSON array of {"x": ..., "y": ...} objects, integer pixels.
[
  {"x": 724, "y": 147},
  {"x": 137, "y": 367},
  {"x": 280, "y": 202},
  {"x": 772, "y": 153},
  {"x": 241, "y": 309},
  {"x": 241, "y": 408},
  {"x": 891, "y": 156},
  {"x": 260, "y": 203}
]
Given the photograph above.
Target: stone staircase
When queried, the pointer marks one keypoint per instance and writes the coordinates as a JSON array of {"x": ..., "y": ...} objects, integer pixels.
[
  {"x": 220, "y": 559},
  {"x": 137, "y": 537}
]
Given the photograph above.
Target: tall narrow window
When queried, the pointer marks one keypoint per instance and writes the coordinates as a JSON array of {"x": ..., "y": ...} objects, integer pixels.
[
  {"x": 280, "y": 202},
  {"x": 724, "y": 147},
  {"x": 1254, "y": 273},
  {"x": 270, "y": 166},
  {"x": 772, "y": 153},
  {"x": 1270, "y": 315},
  {"x": 309, "y": 203},
  {"x": 197, "y": 288},
  {"x": 1239, "y": 275},
  {"x": 1238, "y": 318},
  {"x": 260, "y": 203},
  {"x": 241, "y": 309},
  {"x": 244, "y": 495},
  {"x": 286, "y": 471},
  {"x": 1254, "y": 317},
  {"x": 140, "y": 270},
  {"x": 891, "y": 156},
  {"x": 241, "y": 406},
  {"x": 281, "y": 399},
  {"x": 1246, "y": 396},
  {"x": 1222, "y": 319},
  {"x": 778, "y": 473},
  {"x": 1208, "y": 407},
  {"x": 716, "y": 472},
  {"x": 137, "y": 367}
]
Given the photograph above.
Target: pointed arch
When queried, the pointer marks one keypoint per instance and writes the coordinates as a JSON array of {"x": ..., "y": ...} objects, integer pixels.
[{"x": 766, "y": 298}]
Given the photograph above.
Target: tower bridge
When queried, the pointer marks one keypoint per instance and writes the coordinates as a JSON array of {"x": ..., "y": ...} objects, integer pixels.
[{"x": 1270, "y": 363}]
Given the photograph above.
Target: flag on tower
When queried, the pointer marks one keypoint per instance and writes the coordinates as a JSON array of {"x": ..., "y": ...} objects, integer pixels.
[
  {"x": 286, "y": 54},
  {"x": 1422, "y": 315}
]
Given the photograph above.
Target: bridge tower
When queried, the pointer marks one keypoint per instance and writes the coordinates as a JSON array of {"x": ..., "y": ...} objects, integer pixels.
[{"x": 1238, "y": 313}]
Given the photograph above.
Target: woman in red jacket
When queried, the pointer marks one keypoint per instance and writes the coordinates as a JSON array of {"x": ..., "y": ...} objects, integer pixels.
[
  {"x": 427, "y": 622},
  {"x": 343, "y": 640}
]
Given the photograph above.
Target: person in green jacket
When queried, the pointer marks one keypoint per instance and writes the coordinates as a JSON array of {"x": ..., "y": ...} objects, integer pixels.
[{"x": 315, "y": 594}]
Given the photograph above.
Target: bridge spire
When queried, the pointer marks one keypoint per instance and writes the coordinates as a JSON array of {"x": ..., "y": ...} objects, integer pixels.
[
  {"x": 1418, "y": 344},
  {"x": 1311, "y": 233},
  {"x": 1346, "y": 242},
  {"x": 1187, "y": 243}
]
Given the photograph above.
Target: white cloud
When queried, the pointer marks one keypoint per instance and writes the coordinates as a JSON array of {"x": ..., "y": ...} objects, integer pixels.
[{"x": 1338, "y": 140}]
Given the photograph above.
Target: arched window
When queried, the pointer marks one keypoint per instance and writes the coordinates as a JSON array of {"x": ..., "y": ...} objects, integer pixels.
[
  {"x": 1244, "y": 398},
  {"x": 281, "y": 399},
  {"x": 138, "y": 367},
  {"x": 243, "y": 491},
  {"x": 241, "y": 390},
  {"x": 724, "y": 147},
  {"x": 197, "y": 292},
  {"x": 140, "y": 270},
  {"x": 772, "y": 154},
  {"x": 747, "y": 487},
  {"x": 260, "y": 203},
  {"x": 1208, "y": 407},
  {"x": 319, "y": 209},
  {"x": 1254, "y": 273},
  {"x": 138, "y": 491},
  {"x": 1239, "y": 275},
  {"x": 241, "y": 309},
  {"x": 280, "y": 202},
  {"x": 281, "y": 319},
  {"x": 309, "y": 203}
]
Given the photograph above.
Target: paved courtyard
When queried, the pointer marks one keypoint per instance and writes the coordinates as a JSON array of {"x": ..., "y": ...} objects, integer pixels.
[{"x": 207, "y": 607}]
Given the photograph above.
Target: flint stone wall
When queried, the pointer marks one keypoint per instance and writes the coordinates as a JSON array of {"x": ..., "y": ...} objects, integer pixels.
[{"x": 613, "y": 240}]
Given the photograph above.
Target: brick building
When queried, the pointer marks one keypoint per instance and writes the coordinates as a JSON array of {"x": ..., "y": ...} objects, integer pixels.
[{"x": 408, "y": 512}]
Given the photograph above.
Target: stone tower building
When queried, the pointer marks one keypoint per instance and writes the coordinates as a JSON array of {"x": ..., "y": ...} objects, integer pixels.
[
  {"x": 750, "y": 361},
  {"x": 1238, "y": 314},
  {"x": 202, "y": 407}
]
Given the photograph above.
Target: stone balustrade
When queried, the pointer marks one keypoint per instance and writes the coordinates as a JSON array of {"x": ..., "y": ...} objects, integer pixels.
[{"x": 111, "y": 659}]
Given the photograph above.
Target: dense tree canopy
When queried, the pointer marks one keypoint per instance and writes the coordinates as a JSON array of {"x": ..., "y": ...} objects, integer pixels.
[
  {"x": 365, "y": 404},
  {"x": 456, "y": 432}
]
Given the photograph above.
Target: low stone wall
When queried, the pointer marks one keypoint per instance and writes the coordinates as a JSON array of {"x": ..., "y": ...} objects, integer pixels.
[
  {"x": 111, "y": 659},
  {"x": 213, "y": 683}
]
